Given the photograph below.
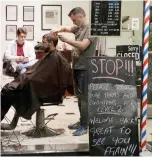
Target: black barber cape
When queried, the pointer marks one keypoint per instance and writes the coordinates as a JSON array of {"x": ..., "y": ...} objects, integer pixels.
[{"x": 46, "y": 81}]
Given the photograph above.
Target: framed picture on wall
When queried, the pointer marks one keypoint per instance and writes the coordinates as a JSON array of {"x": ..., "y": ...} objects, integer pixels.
[
  {"x": 11, "y": 32},
  {"x": 51, "y": 16},
  {"x": 30, "y": 32},
  {"x": 28, "y": 13},
  {"x": 11, "y": 12}
]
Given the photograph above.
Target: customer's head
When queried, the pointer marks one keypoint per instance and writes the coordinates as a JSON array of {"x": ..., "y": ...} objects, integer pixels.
[
  {"x": 77, "y": 15},
  {"x": 39, "y": 47},
  {"x": 21, "y": 35},
  {"x": 39, "y": 50},
  {"x": 49, "y": 41}
]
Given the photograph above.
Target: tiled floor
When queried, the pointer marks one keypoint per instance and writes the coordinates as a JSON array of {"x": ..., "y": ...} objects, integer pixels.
[{"x": 67, "y": 113}]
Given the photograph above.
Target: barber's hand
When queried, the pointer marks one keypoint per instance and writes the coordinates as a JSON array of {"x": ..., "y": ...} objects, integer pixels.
[
  {"x": 20, "y": 59},
  {"x": 55, "y": 31},
  {"x": 63, "y": 38}
]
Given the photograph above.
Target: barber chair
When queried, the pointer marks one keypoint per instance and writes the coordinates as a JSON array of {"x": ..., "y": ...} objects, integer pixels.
[{"x": 41, "y": 129}]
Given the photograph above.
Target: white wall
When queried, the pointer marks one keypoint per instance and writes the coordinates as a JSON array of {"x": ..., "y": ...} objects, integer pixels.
[
  {"x": 0, "y": 41},
  {"x": 134, "y": 9},
  {"x": 129, "y": 8},
  {"x": 38, "y": 33}
]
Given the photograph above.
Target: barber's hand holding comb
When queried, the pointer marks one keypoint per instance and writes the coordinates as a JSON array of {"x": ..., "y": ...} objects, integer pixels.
[{"x": 55, "y": 31}]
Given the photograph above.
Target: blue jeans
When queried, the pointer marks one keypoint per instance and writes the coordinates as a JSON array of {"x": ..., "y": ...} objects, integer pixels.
[
  {"x": 79, "y": 83},
  {"x": 23, "y": 66}
]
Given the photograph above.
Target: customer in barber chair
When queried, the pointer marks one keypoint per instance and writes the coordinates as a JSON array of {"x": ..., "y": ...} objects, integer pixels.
[
  {"x": 19, "y": 54},
  {"x": 39, "y": 50},
  {"x": 46, "y": 81}
]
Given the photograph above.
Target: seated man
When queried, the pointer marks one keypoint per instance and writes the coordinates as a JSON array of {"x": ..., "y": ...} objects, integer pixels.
[
  {"x": 39, "y": 50},
  {"x": 45, "y": 81},
  {"x": 19, "y": 53}
]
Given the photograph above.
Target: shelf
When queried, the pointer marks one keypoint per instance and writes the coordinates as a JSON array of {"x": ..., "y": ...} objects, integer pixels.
[{"x": 126, "y": 30}]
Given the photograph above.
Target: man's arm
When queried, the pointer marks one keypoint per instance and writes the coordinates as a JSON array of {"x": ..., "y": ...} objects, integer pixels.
[
  {"x": 65, "y": 29},
  {"x": 31, "y": 53},
  {"x": 69, "y": 29},
  {"x": 8, "y": 53},
  {"x": 81, "y": 45}
]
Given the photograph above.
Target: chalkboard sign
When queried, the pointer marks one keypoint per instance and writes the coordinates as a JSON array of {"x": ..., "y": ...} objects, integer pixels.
[
  {"x": 150, "y": 79},
  {"x": 129, "y": 51},
  {"x": 112, "y": 106},
  {"x": 105, "y": 18}
]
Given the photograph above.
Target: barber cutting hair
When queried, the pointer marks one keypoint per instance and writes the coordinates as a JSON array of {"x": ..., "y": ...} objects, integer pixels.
[{"x": 84, "y": 46}]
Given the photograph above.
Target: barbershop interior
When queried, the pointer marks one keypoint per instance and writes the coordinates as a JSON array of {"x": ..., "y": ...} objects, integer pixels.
[{"x": 76, "y": 77}]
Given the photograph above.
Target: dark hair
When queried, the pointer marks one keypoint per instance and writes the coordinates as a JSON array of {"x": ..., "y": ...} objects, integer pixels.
[
  {"x": 49, "y": 37},
  {"x": 77, "y": 10},
  {"x": 21, "y": 30},
  {"x": 39, "y": 46}
]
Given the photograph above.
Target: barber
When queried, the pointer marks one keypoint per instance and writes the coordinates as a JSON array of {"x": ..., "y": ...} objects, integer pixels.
[{"x": 84, "y": 46}]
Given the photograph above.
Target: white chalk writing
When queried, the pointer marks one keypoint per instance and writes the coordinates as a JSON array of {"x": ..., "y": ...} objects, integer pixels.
[
  {"x": 128, "y": 120},
  {"x": 95, "y": 120},
  {"x": 128, "y": 95},
  {"x": 105, "y": 64},
  {"x": 124, "y": 87},
  {"x": 120, "y": 150},
  {"x": 98, "y": 142},
  {"x": 103, "y": 86},
  {"x": 110, "y": 109},
  {"x": 96, "y": 95},
  {"x": 101, "y": 131},
  {"x": 103, "y": 102},
  {"x": 125, "y": 130},
  {"x": 118, "y": 140},
  {"x": 112, "y": 95}
]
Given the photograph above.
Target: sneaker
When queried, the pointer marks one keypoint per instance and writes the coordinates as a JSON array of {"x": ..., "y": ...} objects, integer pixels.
[
  {"x": 74, "y": 126},
  {"x": 80, "y": 131},
  {"x": 13, "y": 67}
]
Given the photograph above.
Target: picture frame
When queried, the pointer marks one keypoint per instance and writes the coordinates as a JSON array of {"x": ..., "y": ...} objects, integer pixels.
[
  {"x": 51, "y": 16},
  {"x": 28, "y": 13},
  {"x": 30, "y": 32},
  {"x": 11, "y": 31},
  {"x": 11, "y": 12}
]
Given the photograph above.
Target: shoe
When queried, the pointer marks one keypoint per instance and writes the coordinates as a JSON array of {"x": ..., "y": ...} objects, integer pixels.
[
  {"x": 74, "y": 126},
  {"x": 13, "y": 67},
  {"x": 80, "y": 131}
]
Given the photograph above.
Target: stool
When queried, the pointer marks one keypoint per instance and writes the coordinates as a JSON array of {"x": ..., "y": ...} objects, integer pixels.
[{"x": 41, "y": 129}]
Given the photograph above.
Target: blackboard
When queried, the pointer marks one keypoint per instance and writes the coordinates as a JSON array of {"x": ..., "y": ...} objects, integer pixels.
[
  {"x": 129, "y": 51},
  {"x": 112, "y": 106},
  {"x": 150, "y": 79},
  {"x": 105, "y": 18}
]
